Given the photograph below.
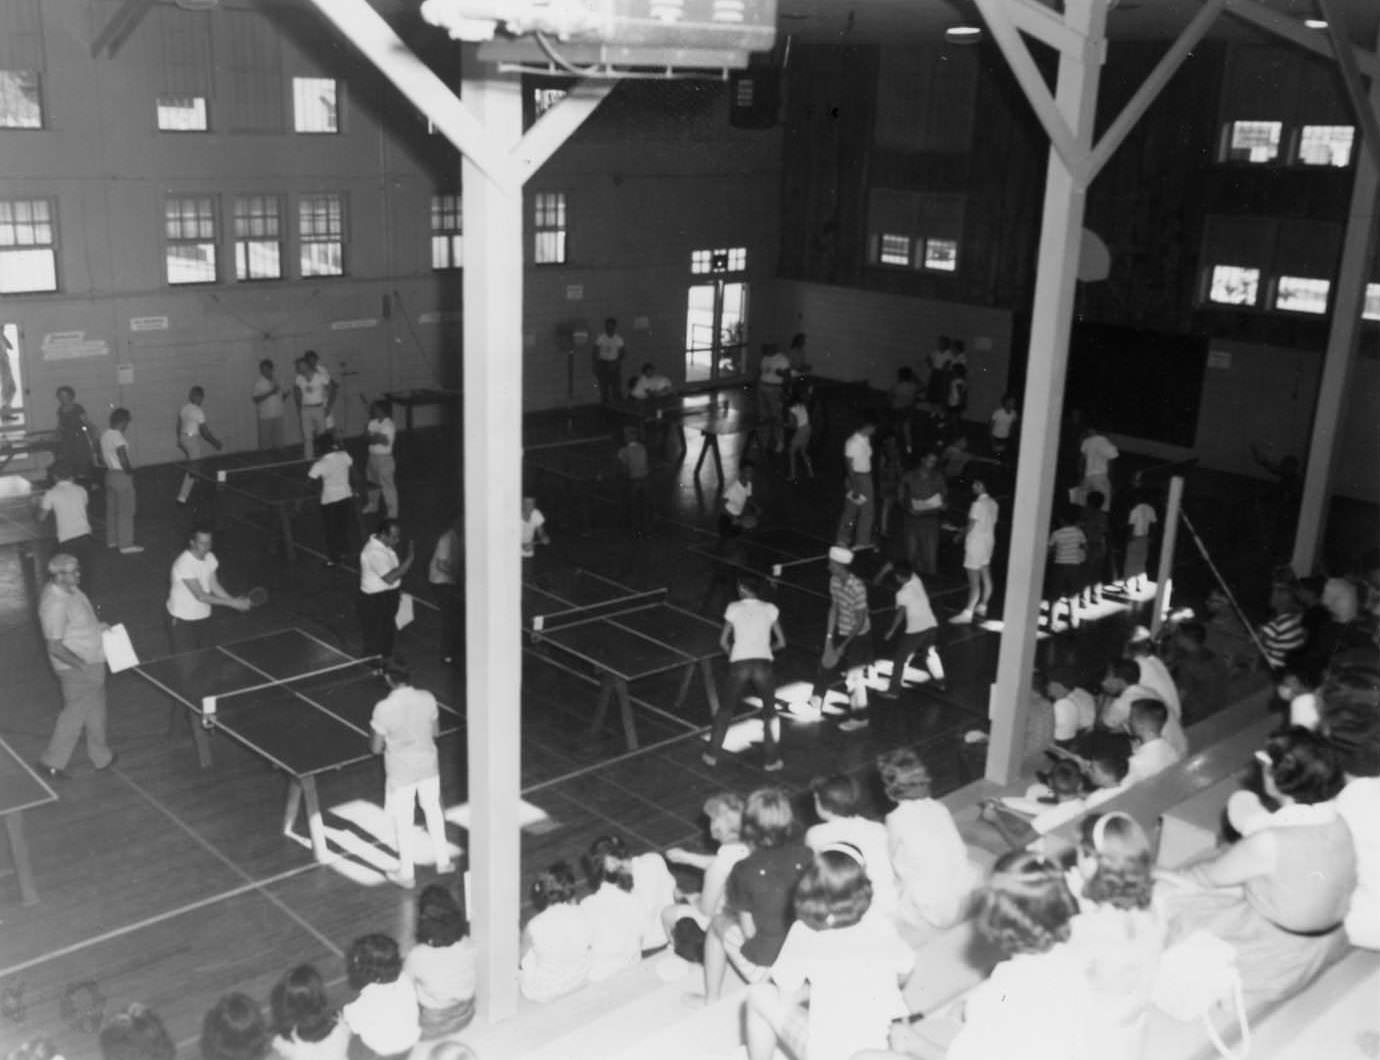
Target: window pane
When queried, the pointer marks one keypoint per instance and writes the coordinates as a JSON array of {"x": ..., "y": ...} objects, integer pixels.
[
  {"x": 1302, "y": 295},
  {"x": 1254, "y": 141},
  {"x": 192, "y": 263},
  {"x": 1326, "y": 145},
  {"x": 701, "y": 261},
  {"x": 1233, "y": 285},
  {"x": 1371, "y": 310},
  {"x": 941, "y": 254},
  {"x": 313, "y": 105},
  {"x": 550, "y": 248},
  {"x": 543, "y": 99},
  {"x": 322, "y": 259},
  {"x": 182, "y": 113},
  {"x": 258, "y": 260},
  {"x": 21, "y": 105},
  {"x": 27, "y": 270},
  {"x": 894, "y": 250}
]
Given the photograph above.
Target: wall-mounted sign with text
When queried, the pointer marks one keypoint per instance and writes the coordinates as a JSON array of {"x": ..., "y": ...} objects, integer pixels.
[
  {"x": 71, "y": 346},
  {"x": 354, "y": 325},
  {"x": 148, "y": 323}
]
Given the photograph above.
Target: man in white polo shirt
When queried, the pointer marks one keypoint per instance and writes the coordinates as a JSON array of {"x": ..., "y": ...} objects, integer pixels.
[
  {"x": 609, "y": 351},
  {"x": 192, "y": 431},
  {"x": 855, "y": 524},
  {"x": 267, "y": 396},
  {"x": 316, "y": 391},
  {"x": 68, "y": 503},
  {"x": 380, "y": 586},
  {"x": 773, "y": 371},
  {"x": 195, "y": 589},
  {"x": 382, "y": 470}
]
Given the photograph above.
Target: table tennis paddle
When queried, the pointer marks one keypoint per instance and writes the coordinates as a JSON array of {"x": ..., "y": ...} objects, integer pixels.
[{"x": 258, "y": 596}]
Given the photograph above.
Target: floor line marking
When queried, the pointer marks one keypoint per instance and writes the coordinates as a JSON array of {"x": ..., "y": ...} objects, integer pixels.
[
  {"x": 158, "y": 918},
  {"x": 594, "y": 681},
  {"x": 625, "y": 756},
  {"x": 166, "y": 810}
]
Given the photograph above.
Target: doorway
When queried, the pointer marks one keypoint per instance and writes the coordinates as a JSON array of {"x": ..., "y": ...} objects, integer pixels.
[
  {"x": 716, "y": 318},
  {"x": 12, "y": 414}
]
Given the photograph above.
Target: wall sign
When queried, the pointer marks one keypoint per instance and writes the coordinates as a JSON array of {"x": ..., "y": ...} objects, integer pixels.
[
  {"x": 574, "y": 292},
  {"x": 354, "y": 325},
  {"x": 72, "y": 345},
  {"x": 1219, "y": 359},
  {"x": 148, "y": 323}
]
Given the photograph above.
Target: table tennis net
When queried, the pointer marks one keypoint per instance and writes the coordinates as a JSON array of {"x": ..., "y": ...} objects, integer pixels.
[
  {"x": 604, "y": 610},
  {"x": 313, "y": 684},
  {"x": 230, "y": 472}
]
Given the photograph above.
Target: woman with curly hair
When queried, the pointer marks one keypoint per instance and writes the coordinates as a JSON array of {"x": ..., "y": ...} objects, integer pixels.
[
  {"x": 443, "y": 964},
  {"x": 1279, "y": 894},
  {"x": 557, "y": 943},
  {"x": 384, "y": 1014},
  {"x": 836, "y": 982}
]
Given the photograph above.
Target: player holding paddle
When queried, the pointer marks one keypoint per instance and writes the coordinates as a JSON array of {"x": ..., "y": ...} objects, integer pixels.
[{"x": 195, "y": 590}]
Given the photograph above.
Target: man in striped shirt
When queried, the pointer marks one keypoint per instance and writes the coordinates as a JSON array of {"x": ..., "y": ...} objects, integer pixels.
[
  {"x": 1284, "y": 634},
  {"x": 847, "y": 639}
]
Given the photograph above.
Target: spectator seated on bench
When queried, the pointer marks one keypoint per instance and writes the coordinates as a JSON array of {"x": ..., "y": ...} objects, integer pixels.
[
  {"x": 836, "y": 804},
  {"x": 686, "y": 921},
  {"x": 1280, "y": 893}
]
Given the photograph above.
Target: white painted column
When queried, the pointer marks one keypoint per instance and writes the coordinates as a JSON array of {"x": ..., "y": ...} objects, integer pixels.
[
  {"x": 491, "y": 450},
  {"x": 1341, "y": 353},
  {"x": 1051, "y": 325}
]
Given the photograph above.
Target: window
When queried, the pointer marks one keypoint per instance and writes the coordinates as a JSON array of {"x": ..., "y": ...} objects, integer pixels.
[
  {"x": 254, "y": 83},
  {"x": 1326, "y": 145},
  {"x": 1234, "y": 285},
  {"x": 258, "y": 242},
  {"x": 182, "y": 113},
  {"x": 314, "y": 105},
  {"x": 1302, "y": 294},
  {"x": 1253, "y": 141},
  {"x": 21, "y": 104},
  {"x": 543, "y": 99},
  {"x": 28, "y": 258},
  {"x": 941, "y": 254},
  {"x": 189, "y": 226},
  {"x": 447, "y": 242},
  {"x": 321, "y": 230},
  {"x": 894, "y": 250},
  {"x": 549, "y": 224},
  {"x": 724, "y": 259},
  {"x": 1370, "y": 309}
]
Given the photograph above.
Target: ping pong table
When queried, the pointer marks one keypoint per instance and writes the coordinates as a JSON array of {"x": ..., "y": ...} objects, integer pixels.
[
  {"x": 22, "y": 530},
  {"x": 293, "y": 700},
  {"x": 785, "y": 558},
  {"x": 621, "y": 636},
  {"x": 20, "y": 789},
  {"x": 703, "y": 413},
  {"x": 266, "y": 480},
  {"x": 15, "y": 446},
  {"x": 578, "y": 468}
]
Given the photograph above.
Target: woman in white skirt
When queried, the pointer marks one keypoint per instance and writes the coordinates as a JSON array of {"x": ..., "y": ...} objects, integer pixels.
[{"x": 979, "y": 542}]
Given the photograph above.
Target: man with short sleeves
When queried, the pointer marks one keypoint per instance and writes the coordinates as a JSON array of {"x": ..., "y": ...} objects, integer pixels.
[
  {"x": 609, "y": 351},
  {"x": 855, "y": 525},
  {"x": 751, "y": 636},
  {"x": 67, "y": 502},
  {"x": 268, "y": 397},
  {"x": 405, "y": 725},
  {"x": 192, "y": 432},
  {"x": 773, "y": 372},
  {"x": 921, "y": 633},
  {"x": 651, "y": 384},
  {"x": 194, "y": 591},
  {"x": 120, "y": 498},
  {"x": 848, "y": 631},
  {"x": 1097, "y": 453},
  {"x": 380, "y": 587},
  {"x": 316, "y": 391},
  {"x": 72, "y": 633}
]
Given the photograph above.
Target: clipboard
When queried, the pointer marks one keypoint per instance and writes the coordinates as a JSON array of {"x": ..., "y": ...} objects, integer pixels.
[
  {"x": 119, "y": 651},
  {"x": 406, "y": 611}
]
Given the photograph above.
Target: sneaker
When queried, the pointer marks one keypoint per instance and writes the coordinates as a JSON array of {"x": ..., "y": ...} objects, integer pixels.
[
  {"x": 109, "y": 765},
  {"x": 963, "y": 618},
  {"x": 51, "y": 772},
  {"x": 852, "y": 724},
  {"x": 774, "y": 766},
  {"x": 130, "y": 550}
]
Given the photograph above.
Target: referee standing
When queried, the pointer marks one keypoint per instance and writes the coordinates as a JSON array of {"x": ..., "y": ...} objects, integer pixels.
[{"x": 380, "y": 586}]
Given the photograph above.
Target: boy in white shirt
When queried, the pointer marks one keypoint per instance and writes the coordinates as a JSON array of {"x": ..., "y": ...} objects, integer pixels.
[
  {"x": 333, "y": 471},
  {"x": 855, "y": 524},
  {"x": 1075, "y": 709},
  {"x": 67, "y": 502},
  {"x": 381, "y": 469},
  {"x": 650, "y": 383},
  {"x": 1153, "y": 754},
  {"x": 1096, "y": 455},
  {"x": 533, "y": 528},
  {"x": 192, "y": 431},
  {"x": 1002, "y": 423},
  {"x": 195, "y": 589},
  {"x": 404, "y": 728}
]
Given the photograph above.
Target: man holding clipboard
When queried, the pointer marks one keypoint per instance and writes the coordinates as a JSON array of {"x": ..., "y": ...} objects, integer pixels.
[{"x": 73, "y": 635}]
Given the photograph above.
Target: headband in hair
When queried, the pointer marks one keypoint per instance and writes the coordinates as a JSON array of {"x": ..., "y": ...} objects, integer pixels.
[
  {"x": 1100, "y": 827},
  {"x": 848, "y": 850}
]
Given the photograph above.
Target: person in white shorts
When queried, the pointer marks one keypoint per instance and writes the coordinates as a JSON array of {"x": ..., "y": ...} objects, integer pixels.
[
  {"x": 979, "y": 542},
  {"x": 381, "y": 469},
  {"x": 404, "y": 728}
]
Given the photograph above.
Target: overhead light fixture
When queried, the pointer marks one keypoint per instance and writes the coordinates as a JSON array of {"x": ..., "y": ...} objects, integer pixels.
[
  {"x": 1315, "y": 23},
  {"x": 963, "y": 34}
]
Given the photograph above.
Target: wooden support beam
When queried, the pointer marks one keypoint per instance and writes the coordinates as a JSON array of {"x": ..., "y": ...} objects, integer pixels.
[
  {"x": 122, "y": 23},
  {"x": 558, "y": 124},
  {"x": 1044, "y": 24},
  {"x": 998, "y": 18},
  {"x": 1153, "y": 85},
  {"x": 1364, "y": 107}
]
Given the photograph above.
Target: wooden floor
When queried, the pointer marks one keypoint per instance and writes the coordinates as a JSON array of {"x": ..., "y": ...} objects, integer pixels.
[{"x": 169, "y": 884}]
